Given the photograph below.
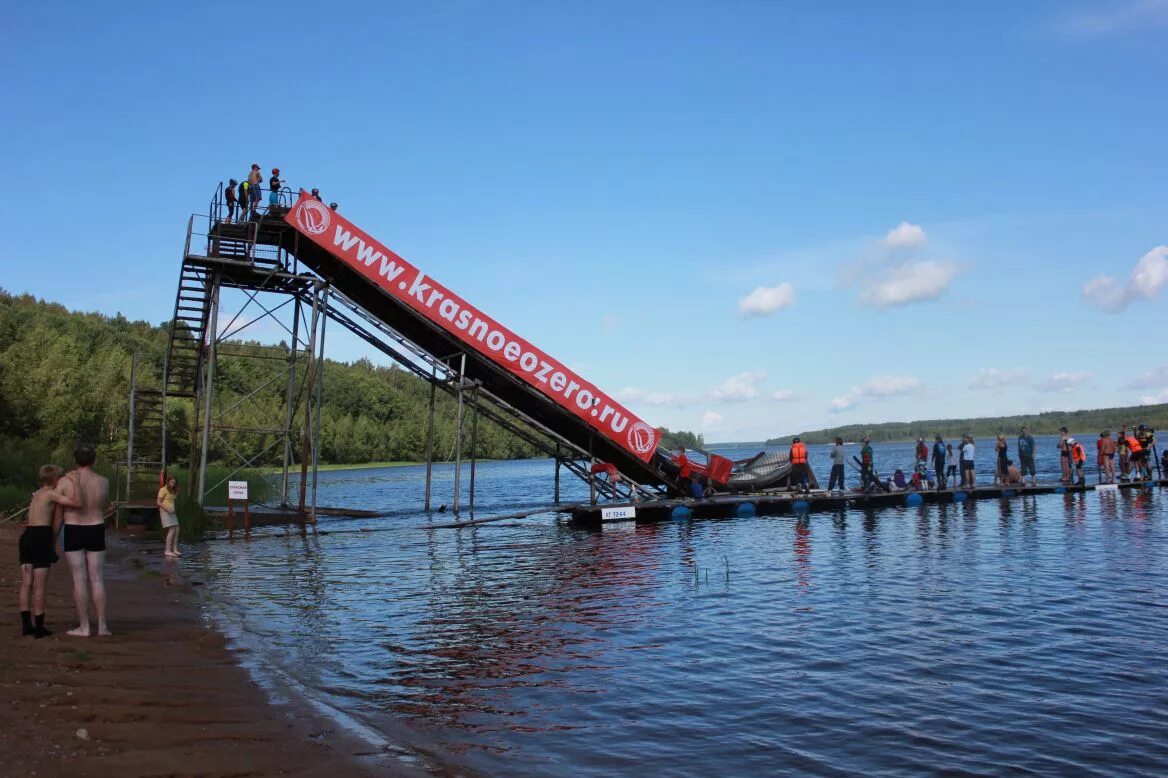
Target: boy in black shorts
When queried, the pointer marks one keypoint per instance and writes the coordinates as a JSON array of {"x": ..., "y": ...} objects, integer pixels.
[{"x": 37, "y": 549}]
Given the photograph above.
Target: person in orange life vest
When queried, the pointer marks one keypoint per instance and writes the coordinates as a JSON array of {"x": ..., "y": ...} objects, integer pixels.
[
  {"x": 799, "y": 464},
  {"x": 1146, "y": 438},
  {"x": 1078, "y": 457},
  {"x": 1135, "y": 456}
]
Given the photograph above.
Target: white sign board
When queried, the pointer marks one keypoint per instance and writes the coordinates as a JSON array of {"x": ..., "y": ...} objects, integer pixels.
[
  {"x": 237, "y": 490},
  {"x": 626, "y": 513}
]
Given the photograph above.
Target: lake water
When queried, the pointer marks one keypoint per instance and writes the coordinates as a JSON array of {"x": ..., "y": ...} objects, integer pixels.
[{"x": 1025, "y": 635}]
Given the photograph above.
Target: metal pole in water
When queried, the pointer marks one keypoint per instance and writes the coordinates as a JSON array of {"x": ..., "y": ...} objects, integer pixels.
[
  {"x": 319, "y": 391},
  {"x": 458, "y": 434},
  {"x": 309, "y": 381},
  {"x": 474, "y": 434},
  {"x": 209, "y": 383},
  {"x": 430, "y": 432},
  {"x": 557, "y": 492},
  {"x": 591, "y": 474},
  {"x": 289, "y": 394}
]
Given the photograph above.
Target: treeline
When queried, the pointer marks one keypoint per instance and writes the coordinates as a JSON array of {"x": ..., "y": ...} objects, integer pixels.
[
  {"x": 1084, "y": 421},
  {"x": 675, "y": 438},
  {"x": 65, "y": 376}
]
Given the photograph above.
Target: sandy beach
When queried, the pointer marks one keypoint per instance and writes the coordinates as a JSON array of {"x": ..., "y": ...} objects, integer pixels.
[{"x": 163, "y": 696}]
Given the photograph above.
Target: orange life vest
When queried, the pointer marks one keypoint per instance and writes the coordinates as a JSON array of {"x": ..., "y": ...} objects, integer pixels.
[
  {"x": 1134, "y": 445},
  {"x": 1078, "y": 453},
  {"x": 798, "y": 454}
]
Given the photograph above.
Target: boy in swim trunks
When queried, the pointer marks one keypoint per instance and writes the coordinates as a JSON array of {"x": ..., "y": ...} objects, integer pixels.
[
  {"x": 84, "y": 538},
  {"x": 37, "y": 549}
]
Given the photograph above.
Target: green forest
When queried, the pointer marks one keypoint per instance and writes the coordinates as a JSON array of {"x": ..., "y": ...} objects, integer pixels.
[
  {"x": 1085, "y": 421},
  {"x": 65, "y": 376}
]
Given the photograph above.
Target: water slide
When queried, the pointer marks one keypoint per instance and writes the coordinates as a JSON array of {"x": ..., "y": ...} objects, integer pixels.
[{"x": 437, "y": 319}]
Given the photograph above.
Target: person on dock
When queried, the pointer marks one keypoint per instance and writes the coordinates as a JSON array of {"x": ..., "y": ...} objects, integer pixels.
[
  {"x": 229, "y": 197},
  {"x": 38, "y": 549},
  {"x": 1078, "y": 458},
  {"x": 799, "y": 471},
  {"x": 683, "y": 469},
  {"x": 1002, "y": 450},
  {"x": 920, "y": 456},
  {"x": 1106, "y": 459},
  {"x": 255, "y": 180},
  {"x": 1135, "y": 457},
  {"x": 166, "y": 514},
  {"x": 838, "y": 456},
  {"x": 274, "y": 184},
  {"x": 1026, "y": 455},
  {"x": 1122, "y": 453},
  {"x": 867, "y": 480},
  {"x": 939, "y": 453},
  {"x": 1013, "y": 474},
  {"x": 244, "y": 199},
  {"x": 84, "y": 539},
  {"x": 968, "y": 472},
  {"x": 1064, "y": 455},
  {"x": 1146, "y": 438},
  {"x": 953, "y": 458}
]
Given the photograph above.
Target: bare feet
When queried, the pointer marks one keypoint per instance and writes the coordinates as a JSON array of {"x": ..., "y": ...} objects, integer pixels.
[
  {"x": 169, "y": 553},
  {"x": 104, "y": 632},
  {"x": 79, "y": 632},
  {"x": 176, "y": 552}
]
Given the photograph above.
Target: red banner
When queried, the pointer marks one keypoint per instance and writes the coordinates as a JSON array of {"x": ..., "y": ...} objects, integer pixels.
[{"x": 401, "y": 280}]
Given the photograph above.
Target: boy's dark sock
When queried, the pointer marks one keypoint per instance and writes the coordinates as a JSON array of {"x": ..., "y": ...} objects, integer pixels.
[
  {"x": 40, "y": 630},
  {"x": 26, "y": 623}
]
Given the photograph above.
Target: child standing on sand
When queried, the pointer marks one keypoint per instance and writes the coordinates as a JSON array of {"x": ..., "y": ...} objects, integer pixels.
[
  {"x": 38, "y": 549},
  {"x": 165, "y": 503}
]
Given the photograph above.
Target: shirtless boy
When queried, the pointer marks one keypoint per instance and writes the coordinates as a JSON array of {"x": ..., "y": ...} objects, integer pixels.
[
  {"x": 84, "y": 538},
  {"x": 37, "y": 549}
]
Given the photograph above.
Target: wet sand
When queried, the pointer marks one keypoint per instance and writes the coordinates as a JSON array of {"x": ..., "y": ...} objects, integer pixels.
[{"x": 163, "y": 696}]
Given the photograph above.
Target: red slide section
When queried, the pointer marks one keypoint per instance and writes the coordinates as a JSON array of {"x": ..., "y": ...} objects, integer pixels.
[{"x": 406, "y": 283}]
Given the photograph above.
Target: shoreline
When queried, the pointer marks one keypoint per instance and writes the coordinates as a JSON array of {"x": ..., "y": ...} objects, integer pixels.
[{"x": 165, "y": 694}]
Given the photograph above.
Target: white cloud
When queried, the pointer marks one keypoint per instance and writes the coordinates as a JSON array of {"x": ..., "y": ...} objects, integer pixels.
[
  {"x": 1152, "y": 379},
  {"x": 1121, "y": 17},
  {"x": 879, "y": 386},
  {"x": 765, "y": 300},
  {"x": 905, "y": 236},
  {"x": 1145, "y": 281},
  {"x": 784, "y": 395},
  {"x": 1063, "y": 382},
  {"x": 1154, "y": 399},
  {"x": 743, "y": 386},
  {"x": 993, "y": 378},
  {"x": 711, "y": 420},
  {"x": 910, "y": 282}
]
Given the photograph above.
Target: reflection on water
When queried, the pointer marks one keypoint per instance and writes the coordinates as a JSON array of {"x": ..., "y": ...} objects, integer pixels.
[{"x": 988, "y": 637}]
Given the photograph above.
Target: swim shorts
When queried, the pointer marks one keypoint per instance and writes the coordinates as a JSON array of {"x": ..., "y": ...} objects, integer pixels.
[
  {"x": 36, "y": 547},
  {"x": 1027, "y": 465},
  {"x": 84, "y": 537}
]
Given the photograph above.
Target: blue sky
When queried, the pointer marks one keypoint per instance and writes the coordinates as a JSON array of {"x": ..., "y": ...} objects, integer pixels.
[{"x": 744, "y": 219}]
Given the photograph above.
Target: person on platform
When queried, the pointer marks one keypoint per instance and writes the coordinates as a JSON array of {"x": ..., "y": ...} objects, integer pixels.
[
  {"x": 838, "y": 455},
  {"x": 84, "y": 539},
  {"x": 683, "y": 470},
  {"x": 333, "y": 206},
  {"x": 1013, "y": 474},
  {"x": 1164, "y": 464},
  {"x": 920, "y": 455},
  {"x": 867, "y": 480},
  {"x": 1001, "y": 448},
  {"x": 1146, "y": 438},
  {"x": 799, "y": 469},
  {"x": 1078, "y": 459},
  {"x": 1123, "y": 453},
  {"x": 255, "y": 182},
  {"x": 244, "y": 200},
  {"x": 1064, "y": 455},
  {"x": 166, "y": 514},
  {"x": 38, "y": 549},
  {"x": 229, "y": 197},
  {"x": 968, "y": 472},
  {"x": 1136, "y": 455},
  {"x": 898, "y": 480},
  {"x": 954, "y": 459},
  {"x": 696, "y": 489},
  {"x": 316, "y": 195},
  {"x": 274, "y": 184},
  {"x": 1026, "y": 455},
  {"x": 939, "y": 454},
  {"x": 1106, "y": 459}
]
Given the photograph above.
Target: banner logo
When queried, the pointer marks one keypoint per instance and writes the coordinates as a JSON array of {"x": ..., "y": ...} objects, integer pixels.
[
  {"x": 313, "y": 217},
  {"x": 642, "y": 438}
]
